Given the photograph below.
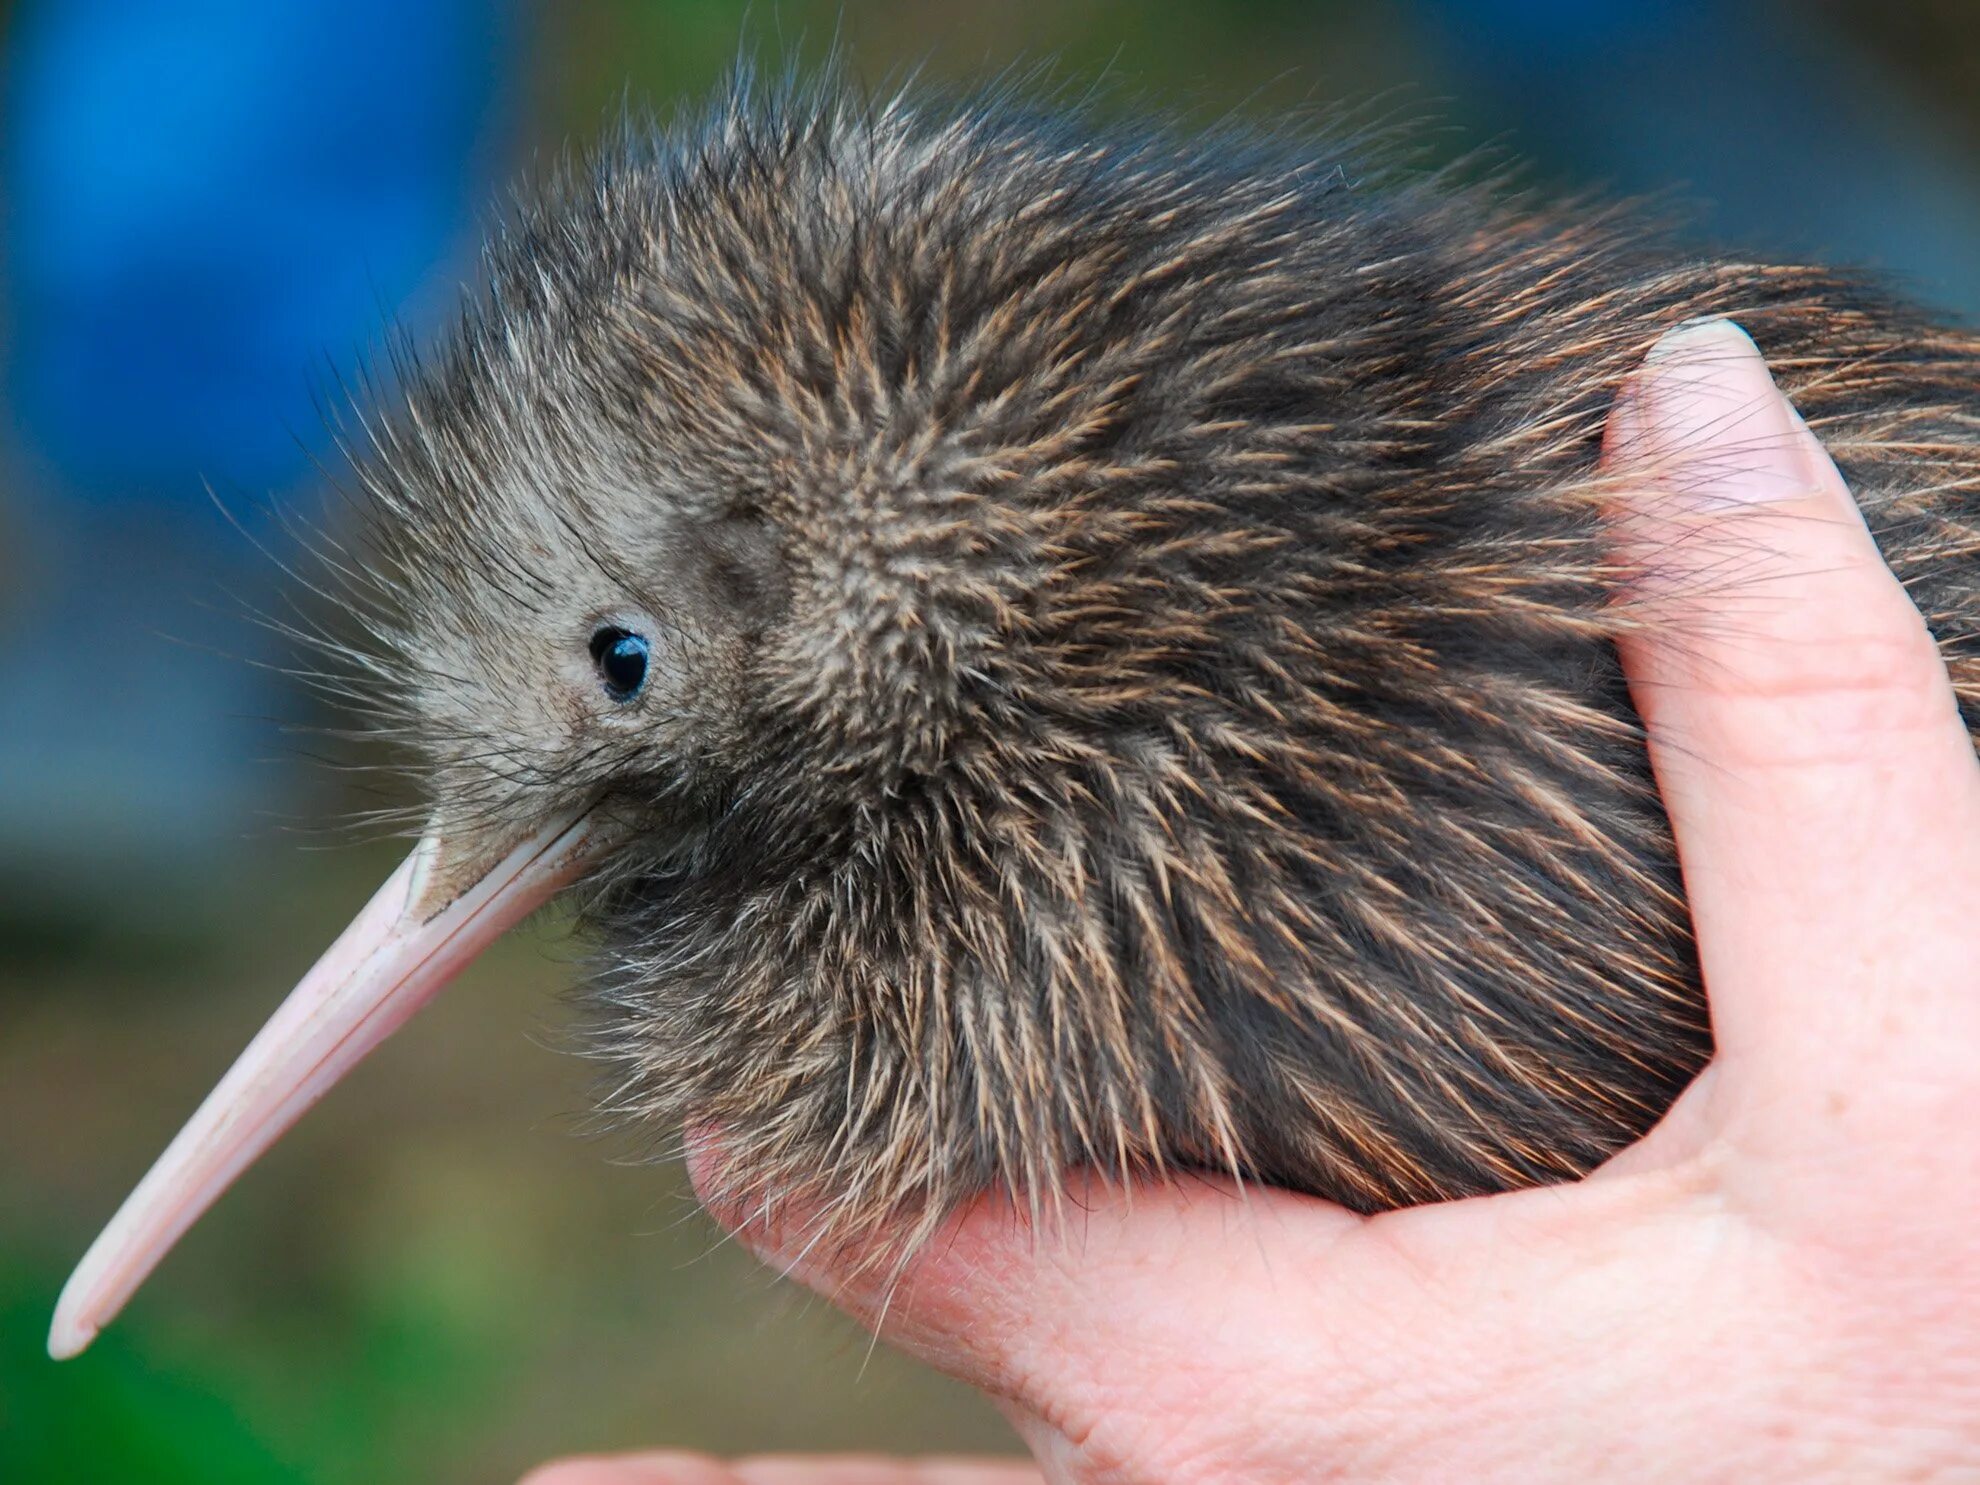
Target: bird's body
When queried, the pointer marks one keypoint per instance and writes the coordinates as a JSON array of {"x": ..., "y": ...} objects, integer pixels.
[
  {"x": 1124, "y": 632},
  {"x": 1142, "y": 690}
]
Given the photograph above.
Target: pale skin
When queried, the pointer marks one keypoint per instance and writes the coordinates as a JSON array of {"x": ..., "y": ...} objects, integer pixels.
[{"x": 1781, "y": 1281}]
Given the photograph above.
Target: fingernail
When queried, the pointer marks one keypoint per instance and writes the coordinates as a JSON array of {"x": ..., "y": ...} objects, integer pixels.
[{"x": 1704, "y": 419}]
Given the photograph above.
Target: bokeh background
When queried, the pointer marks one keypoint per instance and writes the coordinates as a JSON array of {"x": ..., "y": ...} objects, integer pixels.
[{"x": 211, "y": 213}]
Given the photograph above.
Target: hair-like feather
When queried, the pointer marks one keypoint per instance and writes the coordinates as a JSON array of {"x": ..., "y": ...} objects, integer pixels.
[{"x": 1134, "y": 680}]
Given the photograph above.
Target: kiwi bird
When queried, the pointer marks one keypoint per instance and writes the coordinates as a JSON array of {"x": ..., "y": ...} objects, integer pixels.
[{"x": 1043, "y": 644}]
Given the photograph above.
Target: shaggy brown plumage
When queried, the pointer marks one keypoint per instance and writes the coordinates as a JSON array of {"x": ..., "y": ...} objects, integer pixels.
[{"x": 1132, "y": 673}]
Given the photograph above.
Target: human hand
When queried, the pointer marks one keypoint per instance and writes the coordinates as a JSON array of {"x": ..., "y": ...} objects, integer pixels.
[{"x": 1782, "y": 1281}]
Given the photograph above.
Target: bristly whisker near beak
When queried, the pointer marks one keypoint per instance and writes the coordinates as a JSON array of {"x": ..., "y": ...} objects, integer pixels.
[{"x": 447, "y": 901}]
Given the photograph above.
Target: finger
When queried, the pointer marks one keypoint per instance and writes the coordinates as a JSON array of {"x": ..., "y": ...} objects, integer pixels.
[
  {"x": 1126, "y": 1338},
  {"x": 667, "y": 1468},
  {"x": 1824, "y": 793},
  {"x": 670, "y": 1468},
  {"x": 851, "y": 1470},
  {"x": 1094, "y": 1301}
]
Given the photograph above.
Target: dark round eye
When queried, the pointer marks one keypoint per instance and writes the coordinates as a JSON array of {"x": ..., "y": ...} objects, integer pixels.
[{"x": 620, "y": 656}]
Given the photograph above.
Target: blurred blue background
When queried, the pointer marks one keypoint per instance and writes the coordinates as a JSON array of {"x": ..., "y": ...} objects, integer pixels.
[
  {"x": 213, "y": 212},
  {"x": 209, "y": 205}
]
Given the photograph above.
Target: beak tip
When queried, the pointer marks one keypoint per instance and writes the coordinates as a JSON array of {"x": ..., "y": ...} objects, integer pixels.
[
  {"x": 68, "y": 1336},
  {"x": 80, "y": 1314}
]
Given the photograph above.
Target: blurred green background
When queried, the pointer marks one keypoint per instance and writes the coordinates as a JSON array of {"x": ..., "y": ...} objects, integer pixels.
[{"x": 432, "y": 1279}]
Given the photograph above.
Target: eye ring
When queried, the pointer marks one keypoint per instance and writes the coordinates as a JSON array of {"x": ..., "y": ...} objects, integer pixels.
[{"x": 621, "y": 657}]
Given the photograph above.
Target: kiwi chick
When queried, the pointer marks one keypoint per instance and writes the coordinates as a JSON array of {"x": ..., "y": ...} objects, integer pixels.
[{"x": 1097, "y": 645}]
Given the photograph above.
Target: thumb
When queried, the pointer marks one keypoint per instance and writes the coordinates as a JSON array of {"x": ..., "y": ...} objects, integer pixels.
[{"x": 1807, "y": 742}]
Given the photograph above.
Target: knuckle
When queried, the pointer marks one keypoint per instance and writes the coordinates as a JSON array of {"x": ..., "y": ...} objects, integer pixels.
[
  {"x": 1832, "y": 693},
  {"x": 1884, "y": 663}
]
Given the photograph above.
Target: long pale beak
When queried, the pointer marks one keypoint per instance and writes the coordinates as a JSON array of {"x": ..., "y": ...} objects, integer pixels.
[{"x": 442, "y": 907}]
